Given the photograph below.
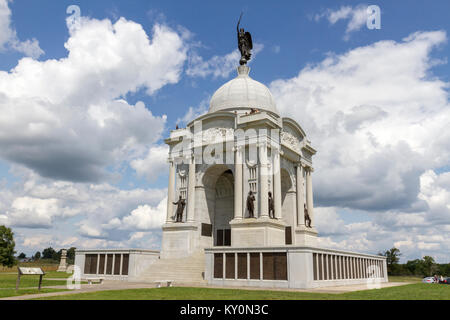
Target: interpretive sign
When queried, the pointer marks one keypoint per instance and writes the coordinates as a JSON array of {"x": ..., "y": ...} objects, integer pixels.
[{"x": 29, "y": 272}]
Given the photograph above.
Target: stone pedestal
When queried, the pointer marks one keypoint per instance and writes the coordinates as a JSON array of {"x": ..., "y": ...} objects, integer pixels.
[
  {"x": 259, "y": 232},
  {"x": 63, "y": 262},
  {"x": 304, "y": 236},
  {"x": 179, "y": 240}
]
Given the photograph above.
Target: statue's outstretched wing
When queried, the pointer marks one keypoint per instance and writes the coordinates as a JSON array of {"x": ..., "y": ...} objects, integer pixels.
[{"x": 248, "y": 37}]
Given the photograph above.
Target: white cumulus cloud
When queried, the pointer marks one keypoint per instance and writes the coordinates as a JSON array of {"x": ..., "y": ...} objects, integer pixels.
[
  {"x": 66, "y": 119},
  {"x": 356, "y": 17},
  {"x": 379, "y": 120},
  {"x": 8, "y": 36}
]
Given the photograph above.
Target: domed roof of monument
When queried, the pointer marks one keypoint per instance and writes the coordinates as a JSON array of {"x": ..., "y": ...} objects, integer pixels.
[{"x": 242, "y": 93}]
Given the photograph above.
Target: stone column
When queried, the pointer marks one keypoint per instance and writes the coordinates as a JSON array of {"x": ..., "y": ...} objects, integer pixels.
[
  {"x": 277, "y": 183},
  {"x": 263, "y": 181},
  {"x": 238, "y": 177},
  {"x": 170, "y": 192},
  {"x": 300, "y": 197},
  {"x": 309, "y": 196},
  {"x": 191, "y": 192}
]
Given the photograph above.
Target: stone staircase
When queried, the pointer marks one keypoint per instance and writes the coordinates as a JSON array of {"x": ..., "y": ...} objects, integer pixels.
[{"x": 187, "y": 270}]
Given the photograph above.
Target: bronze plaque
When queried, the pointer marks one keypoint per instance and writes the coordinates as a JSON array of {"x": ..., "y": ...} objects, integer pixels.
[
  {"x": 87, "y": 264},
  {"x": 125, "y": 260},
  {"x": 242, "y": 265},
  {"x": 206, "y": 230},
  {"x": 218, "y": 265},
  {"x": 268, "y": 266},
  {"x": 109, "y": 263},
  {"x": 93, "y": 264},
  {"x": 227, "y": 241},
  {"x": 101, "y": 266},
  {"x": 288, "y": 235},
  {"x": 219, "y": 240},
  {"x": 280, "y": 265},
  {"x": 254, "y": 266},
  {"x": 229, "y": 266},
  {"x": 117, "y": 264}
]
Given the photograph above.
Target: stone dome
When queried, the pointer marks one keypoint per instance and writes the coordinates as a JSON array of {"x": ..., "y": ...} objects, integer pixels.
[{"x": 242, "y": 93}]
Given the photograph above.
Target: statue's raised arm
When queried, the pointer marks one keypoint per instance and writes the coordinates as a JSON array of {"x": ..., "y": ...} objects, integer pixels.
[{"x": 245, "y": 43}]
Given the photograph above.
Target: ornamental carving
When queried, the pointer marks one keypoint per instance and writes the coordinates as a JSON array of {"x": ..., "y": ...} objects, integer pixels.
[
  {"x": 291, "y": 141},
  {"x": 217, "y": 134}
]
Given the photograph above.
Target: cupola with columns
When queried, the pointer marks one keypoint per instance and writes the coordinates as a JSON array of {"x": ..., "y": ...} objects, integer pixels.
[{"x": 241, "y": 145}]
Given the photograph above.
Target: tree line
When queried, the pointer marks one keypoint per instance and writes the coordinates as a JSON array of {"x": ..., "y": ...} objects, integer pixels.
[
  {"x": 425, "y": 267},
  {"x": 50, "y": 254}
]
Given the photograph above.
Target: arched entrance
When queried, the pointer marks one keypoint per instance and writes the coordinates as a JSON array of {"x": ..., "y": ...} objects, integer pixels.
[{"x": 219, "y": 190}]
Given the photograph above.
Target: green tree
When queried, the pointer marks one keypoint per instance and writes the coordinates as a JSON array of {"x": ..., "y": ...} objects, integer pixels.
[
  {"x": 22, "y": 255},
  {"x": 430, "y": 267},
  {"x": 7, "y": 245},
  {"x": 392, "y": 258},
  {"x": 57, "y": 255},
  {"x": 37, "y": 256},
  {"x": 48, "y": 253},
  {"x": 415, "y": 267},
  {"x": 71, "y": 255}
]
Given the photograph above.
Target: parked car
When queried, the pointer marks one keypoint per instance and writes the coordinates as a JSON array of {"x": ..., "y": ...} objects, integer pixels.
[
  {"x": 445, "y": 280},
  {"x": 428, "y": 280}
]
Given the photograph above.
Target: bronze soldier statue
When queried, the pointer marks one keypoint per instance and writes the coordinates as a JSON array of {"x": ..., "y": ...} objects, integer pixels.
[
  {"x": 245, "y": 44},
  {"x": 181, "y": 203},
  {"x": 271, "y": 206},
  {"x": 250, "y": 204},
  {"x": 307, "y": 218}
]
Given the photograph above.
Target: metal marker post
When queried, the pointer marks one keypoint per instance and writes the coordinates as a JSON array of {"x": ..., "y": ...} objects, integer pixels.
[
  {"x": 18, "y": 279},
  {"x": 40, "y": 282}
]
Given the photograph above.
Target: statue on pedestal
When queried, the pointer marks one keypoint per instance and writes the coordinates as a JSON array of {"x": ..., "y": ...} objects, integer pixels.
[
  {"x": 271, "y": 206},
  {"x": 307, "y": 218},
  {"x": 245, "y": 44},
  {"x": 251, "y": 205},
  {"x": 181, "y": 203}
]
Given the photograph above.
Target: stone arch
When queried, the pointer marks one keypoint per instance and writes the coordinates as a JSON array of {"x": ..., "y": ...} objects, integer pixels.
[{"x": 218, "y": 182}]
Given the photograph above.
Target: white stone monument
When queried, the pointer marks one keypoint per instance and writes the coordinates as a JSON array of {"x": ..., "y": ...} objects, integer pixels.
[
  {"x": 228, "y": 236},
  {"x": 63, "y": 262}
]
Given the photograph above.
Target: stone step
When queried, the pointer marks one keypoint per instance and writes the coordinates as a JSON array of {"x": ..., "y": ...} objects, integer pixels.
[{"x": 182, "y": 270}]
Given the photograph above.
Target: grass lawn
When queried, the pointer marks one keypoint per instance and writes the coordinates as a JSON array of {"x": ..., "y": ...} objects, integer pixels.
[
  {"x": 4, "y": 293},
  {"x": 404, "y": 279},
  {"x": 54, "y": 274},
  {"x": 407, "y": 292},
  {"x": 8, "y": 281},
  {"x": 45, "y": 264},
  {"x": 29, "y": 284}
]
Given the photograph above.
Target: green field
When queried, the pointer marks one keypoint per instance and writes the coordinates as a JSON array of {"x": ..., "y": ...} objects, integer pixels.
[
  {"x": 417, "y": 291},
  {"x": 404, "y": 279},
  {"x": 8, "y": 281},
  {"x": 45, "y": 264},
  {"x": 4, "y": 293},
  {"x": 29, "y": 284}
]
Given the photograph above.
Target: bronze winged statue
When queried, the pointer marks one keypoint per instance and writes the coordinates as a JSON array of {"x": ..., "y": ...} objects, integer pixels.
[{"x": 245, "y": 43}]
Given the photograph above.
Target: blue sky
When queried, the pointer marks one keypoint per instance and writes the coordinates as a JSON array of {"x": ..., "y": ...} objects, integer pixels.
[{"x": 294, "y": 38}]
